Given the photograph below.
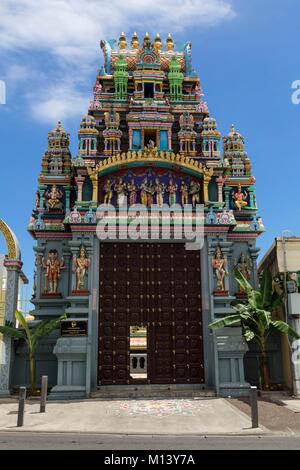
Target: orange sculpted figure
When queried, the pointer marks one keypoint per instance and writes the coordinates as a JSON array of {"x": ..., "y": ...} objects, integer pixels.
[
  {"x": 240, "y": 199},
  {"x": 53, "y": 269},
  {"x": 219, "y": 267}
]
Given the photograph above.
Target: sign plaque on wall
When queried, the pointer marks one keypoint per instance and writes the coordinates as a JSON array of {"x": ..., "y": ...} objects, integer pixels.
[{"x": 74, "y": 328}]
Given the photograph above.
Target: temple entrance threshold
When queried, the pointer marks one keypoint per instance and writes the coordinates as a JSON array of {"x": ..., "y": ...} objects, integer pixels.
[{"x": 150, "y": 319}]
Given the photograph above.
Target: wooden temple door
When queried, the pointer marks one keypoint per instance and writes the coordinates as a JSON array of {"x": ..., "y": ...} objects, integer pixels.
[
  {"x": 156, "y": 286},
  {"x": 175, "y": 334}
]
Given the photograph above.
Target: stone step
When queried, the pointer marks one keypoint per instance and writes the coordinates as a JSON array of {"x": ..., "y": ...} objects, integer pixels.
[{"x": 150, "y": 391}]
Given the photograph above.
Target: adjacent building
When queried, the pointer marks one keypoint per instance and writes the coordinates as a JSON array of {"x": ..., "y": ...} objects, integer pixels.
[{"x": 283, "y": 261}]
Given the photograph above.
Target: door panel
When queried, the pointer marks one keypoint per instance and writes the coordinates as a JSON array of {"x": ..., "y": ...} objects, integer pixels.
[{"x": 157, "y": 285}]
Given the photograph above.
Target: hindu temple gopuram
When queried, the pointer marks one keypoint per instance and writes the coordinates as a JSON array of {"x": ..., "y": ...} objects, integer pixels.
[{"x": 138, "y": 310}]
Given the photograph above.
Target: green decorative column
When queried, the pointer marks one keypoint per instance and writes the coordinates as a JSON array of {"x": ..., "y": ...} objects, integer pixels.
[
  {"x": 42, "y": 189},
  {"x": 68, "y": 192},
  {"x": 227, "y": 190},
  {"x": 176, "y": 80},
  {"x": 252, "y": 197},
  {"x": 121, "y": 79}
]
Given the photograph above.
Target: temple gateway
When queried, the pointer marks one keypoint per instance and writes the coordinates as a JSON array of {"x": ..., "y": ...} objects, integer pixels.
[{"x": 138, "y": 310}]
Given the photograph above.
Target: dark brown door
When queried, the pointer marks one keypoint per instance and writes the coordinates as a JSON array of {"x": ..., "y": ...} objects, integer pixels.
[{"x": 157, "y": 285}]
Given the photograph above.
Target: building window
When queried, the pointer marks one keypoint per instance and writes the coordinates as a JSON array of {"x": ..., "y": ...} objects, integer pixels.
[
  {"x": 136, "y": 139},
  {"x": 149, "y": 90},
  {"x": 164, "y": 140}
]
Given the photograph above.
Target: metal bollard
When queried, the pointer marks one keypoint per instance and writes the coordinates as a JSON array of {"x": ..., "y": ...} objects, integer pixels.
[
  {"x": 21, "y": 410},
  {"x": 44, "y": 393},
  {"x": 254, "y": 407}
]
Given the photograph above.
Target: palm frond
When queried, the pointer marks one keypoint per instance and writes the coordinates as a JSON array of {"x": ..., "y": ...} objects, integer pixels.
[
  {"x": 224, "y": 322},
  {"x": 242, "y": 281},
  {"x": 285, "y": 328},
  {"x": 45, "y": 327},
  {"x": 266, "y": 288},
  {"x": 12, "y": 332}
]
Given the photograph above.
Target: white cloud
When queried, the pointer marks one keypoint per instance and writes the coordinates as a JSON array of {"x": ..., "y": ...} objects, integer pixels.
[
  {"x": 61, "y": 102},
  {"x": 69, "y": 31}
]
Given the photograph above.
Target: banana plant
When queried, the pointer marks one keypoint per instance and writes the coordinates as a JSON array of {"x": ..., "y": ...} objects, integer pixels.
[
  {"x": 31, "y": 335},
  {"x": 255, "y": 318}
]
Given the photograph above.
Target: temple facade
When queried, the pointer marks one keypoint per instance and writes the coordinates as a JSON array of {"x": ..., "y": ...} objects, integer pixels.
[{"x": 139, "y": 309}]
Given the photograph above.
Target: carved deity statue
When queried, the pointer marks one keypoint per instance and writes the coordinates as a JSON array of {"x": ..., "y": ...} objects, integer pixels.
[
  {"x": 198, "y": 91},
  {"x": 172, "y": 190},
  {"x": 53, "y": 198},
  {"x": 144, "y": 191},
  {"x": 219, "y": 267},
  {"x": 244, "y": 265},
  {"x": 132, "y": 189},
  {"x": 160, "y": 190},
  {"x": 108, "y": 191},
  {"x": 37, "y": 200},
  {"x": 53, "y": 268},
  {"x": 184, "y": 193},
  {"x": 195, "y": 188},
  {"x": 98, "y": 88},
  {"x": 120, "y": 189},
  {"x": 240, "y": 199},
  {"x": 150, "y": 194},
  {"x": 81, "y": 266}
]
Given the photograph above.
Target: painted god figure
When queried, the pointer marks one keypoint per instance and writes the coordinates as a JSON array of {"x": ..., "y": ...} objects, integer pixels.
[
  {"x": 184, "y": 193},
  {"x": 220, "y": 271},
  {"x": 244, "y": 265},
  {"x": 37, "y": 200},
  {"x": 240, "y": 199},
  {"x": 132, "y": 189},
  {"x": 195, "y": 192},
  {"x": 160, "y": 190},
  {"x": 53, "y": 270},
  {"x": 120, "y": 189},
  {"x": 108, "y": 191},
  {"x": 53, "y": 198},
  {"x": 172, "y": 189},
  {"x": 144, "y": 191},
  {"x": 81, "y": 266},
  {"x": 150, "y": 194}
]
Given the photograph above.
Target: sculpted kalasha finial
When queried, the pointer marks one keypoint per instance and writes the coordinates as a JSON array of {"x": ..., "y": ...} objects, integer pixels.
[
  {"x": 157, "y": 43},
  {"x": 135, "y": 41},
  {"x": 122, "y": 42},
  {"x": 169, "y": 43}
]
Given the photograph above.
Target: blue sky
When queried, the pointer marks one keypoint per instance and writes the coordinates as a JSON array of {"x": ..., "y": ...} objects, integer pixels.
[{"x": 244, "y": 50}]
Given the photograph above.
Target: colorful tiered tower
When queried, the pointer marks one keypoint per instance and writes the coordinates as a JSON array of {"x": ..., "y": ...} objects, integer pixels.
[{"x": 148, "y": 138}]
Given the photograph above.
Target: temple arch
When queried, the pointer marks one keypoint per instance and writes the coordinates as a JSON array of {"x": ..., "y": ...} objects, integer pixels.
[{"x": 11, "y": 240}]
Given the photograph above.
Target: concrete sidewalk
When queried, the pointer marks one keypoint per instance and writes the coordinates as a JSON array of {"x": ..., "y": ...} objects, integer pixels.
[{"x": 167, "y": 417}]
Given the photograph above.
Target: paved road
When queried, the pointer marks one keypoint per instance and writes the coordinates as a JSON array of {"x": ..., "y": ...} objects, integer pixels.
[{"x": 28, "y": 440}]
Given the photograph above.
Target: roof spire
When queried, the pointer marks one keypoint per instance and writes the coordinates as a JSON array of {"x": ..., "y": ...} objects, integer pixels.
[
  {"x": 169, "y": 43},
  {"x": 122, "y": 41},
  {"x": 134, "y": 41}
]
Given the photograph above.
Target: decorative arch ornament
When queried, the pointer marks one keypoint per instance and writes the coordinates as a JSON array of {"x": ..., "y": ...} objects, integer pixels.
[
  {"x": 12, "y": 243},
  {"x": 151, "y": 157}
]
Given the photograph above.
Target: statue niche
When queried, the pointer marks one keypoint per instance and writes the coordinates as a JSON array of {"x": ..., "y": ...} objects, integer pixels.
[
  {"x": 81, "y": 266},
  {"x": 52, "y": 267},
  {"x": 219, "y": 265},
  {"x": 53, "y": 198}
]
